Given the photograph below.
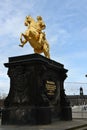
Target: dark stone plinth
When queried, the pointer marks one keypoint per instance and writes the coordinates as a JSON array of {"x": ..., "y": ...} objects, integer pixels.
[
  {"x": 26, "y": 115},
  {"x": 36, "y": 94}
]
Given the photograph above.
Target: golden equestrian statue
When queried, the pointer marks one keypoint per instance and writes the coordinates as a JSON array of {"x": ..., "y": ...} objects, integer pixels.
[{"x": 35, "y": 35}]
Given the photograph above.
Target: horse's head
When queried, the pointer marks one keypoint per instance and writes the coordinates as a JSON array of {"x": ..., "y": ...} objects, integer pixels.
[{"x": 28, "y": 20}]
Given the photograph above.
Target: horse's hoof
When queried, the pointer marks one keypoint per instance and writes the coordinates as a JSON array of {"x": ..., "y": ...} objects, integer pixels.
[{"x": 20, "y": 45}]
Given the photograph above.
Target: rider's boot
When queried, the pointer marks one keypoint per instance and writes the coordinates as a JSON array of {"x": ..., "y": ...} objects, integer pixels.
[
  {"x": 40, "y": 38},
  {"x": 37, "y": 37}
]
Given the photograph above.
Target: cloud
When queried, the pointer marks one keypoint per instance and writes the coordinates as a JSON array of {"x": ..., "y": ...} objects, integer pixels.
[
  {"x": 59, "y": 36},
  {"x": 12, "y": 16},
  {"x": 4, "y": 86}
]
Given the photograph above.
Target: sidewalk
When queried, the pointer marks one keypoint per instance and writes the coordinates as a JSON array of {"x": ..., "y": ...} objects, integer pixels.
[{"x": 58, "y": 125}]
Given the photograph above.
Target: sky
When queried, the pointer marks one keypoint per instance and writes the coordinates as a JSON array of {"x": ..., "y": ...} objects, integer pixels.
[{"x": 66, "y": 32}]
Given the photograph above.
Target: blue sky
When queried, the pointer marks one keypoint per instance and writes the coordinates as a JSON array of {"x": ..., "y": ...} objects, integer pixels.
[{"x": 66, "y": 32}]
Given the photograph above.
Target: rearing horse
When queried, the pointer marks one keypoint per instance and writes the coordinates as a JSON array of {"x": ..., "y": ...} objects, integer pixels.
[{"x": 35, "y": 36}]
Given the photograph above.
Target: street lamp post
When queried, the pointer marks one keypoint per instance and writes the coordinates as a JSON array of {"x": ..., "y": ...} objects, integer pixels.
[{"x": 86, "y": 75}]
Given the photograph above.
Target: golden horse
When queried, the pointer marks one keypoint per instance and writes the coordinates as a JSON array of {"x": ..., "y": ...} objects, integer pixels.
[{"x": 35, "y": 36}]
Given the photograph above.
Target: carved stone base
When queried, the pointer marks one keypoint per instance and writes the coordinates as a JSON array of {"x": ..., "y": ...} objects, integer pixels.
[
  {"x": 26, "y": 115},
  {"x": 36, "y": 94}
]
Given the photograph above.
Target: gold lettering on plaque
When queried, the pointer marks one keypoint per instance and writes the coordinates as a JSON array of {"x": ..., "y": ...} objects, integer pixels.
[{"x": 51, "y": 87}]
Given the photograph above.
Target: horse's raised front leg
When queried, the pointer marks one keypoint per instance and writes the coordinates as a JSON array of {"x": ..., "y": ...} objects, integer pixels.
[{"x": 23, "y": 42}]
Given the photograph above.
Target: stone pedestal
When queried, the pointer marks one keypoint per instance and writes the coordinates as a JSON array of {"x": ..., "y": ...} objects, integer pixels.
[{"x": 36, "y": 94}]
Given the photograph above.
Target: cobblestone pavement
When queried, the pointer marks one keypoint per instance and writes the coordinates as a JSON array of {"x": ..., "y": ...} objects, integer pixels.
[{"x": 58, "y": 125}]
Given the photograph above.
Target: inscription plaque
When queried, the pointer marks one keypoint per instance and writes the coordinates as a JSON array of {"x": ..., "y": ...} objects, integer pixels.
[{"x": 50, "y": 88}]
